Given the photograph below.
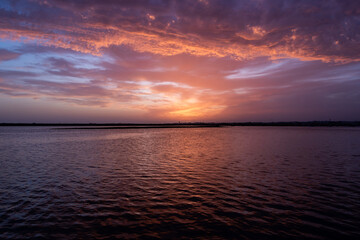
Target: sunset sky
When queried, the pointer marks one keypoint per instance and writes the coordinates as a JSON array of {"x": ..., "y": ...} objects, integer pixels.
[{"x": 185, "y": 60}]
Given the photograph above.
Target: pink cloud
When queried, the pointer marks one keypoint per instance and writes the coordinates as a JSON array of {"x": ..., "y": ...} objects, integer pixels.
[
  {"x": 186, "y": 60},
  {"x": 240, "y": 29}
]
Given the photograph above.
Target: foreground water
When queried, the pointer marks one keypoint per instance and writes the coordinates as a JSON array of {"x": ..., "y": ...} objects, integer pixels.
[{"x": 209, "y": 183}]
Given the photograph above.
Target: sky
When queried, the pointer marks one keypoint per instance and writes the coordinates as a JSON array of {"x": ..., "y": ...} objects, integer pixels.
[{"x": 142, "y": 61}]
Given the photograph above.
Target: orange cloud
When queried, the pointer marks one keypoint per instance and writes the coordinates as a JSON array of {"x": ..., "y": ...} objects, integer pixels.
[
  {"x": 184, "y": 60},
  {"x": 91, "y": 28}
]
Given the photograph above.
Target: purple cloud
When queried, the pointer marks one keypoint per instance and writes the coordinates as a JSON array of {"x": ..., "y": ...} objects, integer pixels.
[{"x": 325, "y": 30}]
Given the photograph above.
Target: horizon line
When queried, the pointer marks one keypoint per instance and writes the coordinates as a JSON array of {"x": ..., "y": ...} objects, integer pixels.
[{"x": 242, "y": 123}]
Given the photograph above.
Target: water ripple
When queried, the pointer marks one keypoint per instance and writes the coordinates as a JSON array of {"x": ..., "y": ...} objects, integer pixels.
[{"x": 223, "y": 183}]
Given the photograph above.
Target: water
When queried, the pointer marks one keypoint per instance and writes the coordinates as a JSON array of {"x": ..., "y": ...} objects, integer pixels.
[{"x": 208, "y": 183}]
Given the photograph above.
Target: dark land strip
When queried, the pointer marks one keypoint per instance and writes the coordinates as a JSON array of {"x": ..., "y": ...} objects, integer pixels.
[{"x": 185, "y": 125}]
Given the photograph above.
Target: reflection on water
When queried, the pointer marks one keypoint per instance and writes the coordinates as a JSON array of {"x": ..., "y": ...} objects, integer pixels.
[{"x": 235, "y": 182}]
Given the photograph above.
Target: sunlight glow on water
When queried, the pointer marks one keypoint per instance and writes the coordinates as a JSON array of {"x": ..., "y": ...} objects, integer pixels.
[{"x": 232, "y": 182}]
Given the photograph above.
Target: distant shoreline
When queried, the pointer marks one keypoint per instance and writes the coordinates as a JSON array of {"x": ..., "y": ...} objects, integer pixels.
[{"x": 185, "y": 125}]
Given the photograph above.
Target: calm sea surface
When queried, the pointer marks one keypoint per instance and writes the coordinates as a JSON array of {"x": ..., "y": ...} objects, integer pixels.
[{"x": 208, "y": 183}]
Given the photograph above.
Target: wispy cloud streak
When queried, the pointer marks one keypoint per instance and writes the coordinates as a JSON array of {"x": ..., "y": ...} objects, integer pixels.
[
  {"x": 208, "y": 60},
  {"x": 325, "y": 30}
]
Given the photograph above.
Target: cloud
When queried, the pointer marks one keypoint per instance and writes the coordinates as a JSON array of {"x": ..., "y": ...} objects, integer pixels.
[
  {"x": 190, "y": 88},
  {"x": 6, "y": 55},
  {"x": 185, "y": 60},
  {"x": 309, "y": 30}
]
